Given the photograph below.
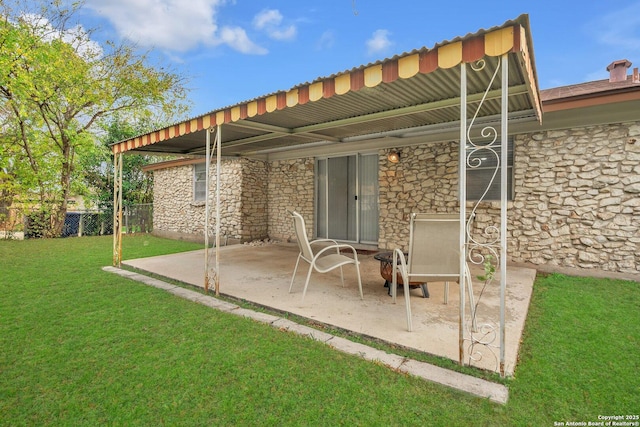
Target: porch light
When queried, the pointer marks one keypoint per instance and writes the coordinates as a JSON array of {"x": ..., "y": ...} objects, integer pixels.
[{"x": 393, "y": 156}]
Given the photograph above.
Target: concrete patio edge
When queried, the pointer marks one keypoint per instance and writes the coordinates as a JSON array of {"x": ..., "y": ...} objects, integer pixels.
[{"x": 478, "y": 387}]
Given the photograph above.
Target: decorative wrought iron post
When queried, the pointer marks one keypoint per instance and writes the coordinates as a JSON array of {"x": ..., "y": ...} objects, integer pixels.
[
  {"x": 488, "y": 247},
  {"x": 117, "y": 209},
  {"x": 208, "y": 275}
]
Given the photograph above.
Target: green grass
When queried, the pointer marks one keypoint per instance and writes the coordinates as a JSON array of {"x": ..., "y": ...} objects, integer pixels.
[
  {"x": 581, "y": 354},
  {"x": 79, "y": 346}
]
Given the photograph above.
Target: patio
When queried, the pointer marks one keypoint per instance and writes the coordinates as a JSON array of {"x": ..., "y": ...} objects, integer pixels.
[{"x": 261, "y": 274}]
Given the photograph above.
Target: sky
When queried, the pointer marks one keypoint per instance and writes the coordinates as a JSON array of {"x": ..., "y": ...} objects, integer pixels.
[{"x": 236, "y": 50}]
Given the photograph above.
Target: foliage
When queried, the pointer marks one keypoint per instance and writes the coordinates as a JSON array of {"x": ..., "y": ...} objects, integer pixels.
[
  {"x": 489, "y": 269},
  {"x": 137, "y": 186},
  {"x": 38, "y": 222},
  {"x": 86, "y": 347},
  {"x": 56, "y": 84}
]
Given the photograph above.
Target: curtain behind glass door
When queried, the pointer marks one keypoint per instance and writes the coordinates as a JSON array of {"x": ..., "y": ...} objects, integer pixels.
[
  {"x": 341, "y": 200},
  {"x": 368, "y": 198},
  {"x": 321, "y": 198}
]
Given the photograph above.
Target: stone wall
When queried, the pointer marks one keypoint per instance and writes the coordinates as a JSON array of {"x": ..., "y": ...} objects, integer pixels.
[
  {"x": 254, "y": 222},
  {"x": 174, "y": 210},
  {"x": 291, "y": 187},
  {"x": 425, "y": 180},
  {"x": 578, "y": 198},
  {"x": 576, "y": 205},
  {"x": 243, "y": 198}
]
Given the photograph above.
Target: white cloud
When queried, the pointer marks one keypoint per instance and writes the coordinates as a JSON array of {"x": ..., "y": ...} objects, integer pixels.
[
  {"x": 237, "y": 38},
  {"x": 270, "y": 21},
  {"x": 326, "y": 41},
  {"x": 80, "y": 40},
  {"x": 267, "y": 18},
  {"x": 379, "y": 42},
  {"x": 621, "y": 28},
  {"x": 76, "y": 36},
  {"x": 173, "y": 25},
  {"x": 287, "y": 33}
]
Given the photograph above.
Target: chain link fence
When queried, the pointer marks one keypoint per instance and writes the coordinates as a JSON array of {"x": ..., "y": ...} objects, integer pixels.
[
  {"x": 87, "y": 223},
  {"x": 24, "y": 223},
  {"x": 137, "y": 219}
]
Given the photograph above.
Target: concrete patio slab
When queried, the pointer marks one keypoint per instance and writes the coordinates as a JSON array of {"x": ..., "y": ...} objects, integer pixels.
[
  {"x": 475, "y": 386},
  {"x": 261, "y": 275}
]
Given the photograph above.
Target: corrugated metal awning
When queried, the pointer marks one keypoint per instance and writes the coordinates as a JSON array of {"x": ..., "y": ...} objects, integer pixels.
[{"x": 413, "y": 90}]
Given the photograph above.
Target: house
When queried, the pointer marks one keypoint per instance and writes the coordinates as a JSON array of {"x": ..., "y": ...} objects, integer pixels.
[{"x": 358, "y": 151}]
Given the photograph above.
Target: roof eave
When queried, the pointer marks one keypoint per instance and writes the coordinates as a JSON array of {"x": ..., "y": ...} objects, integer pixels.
[
  {"x": 513, "y": 37},
  {"x": 631, "y": 93}
]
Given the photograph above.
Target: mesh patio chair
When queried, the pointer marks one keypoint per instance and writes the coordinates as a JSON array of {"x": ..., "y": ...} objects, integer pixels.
[
  {"x": 434, "y": 256},
  {"x": 324, "y": 258}
]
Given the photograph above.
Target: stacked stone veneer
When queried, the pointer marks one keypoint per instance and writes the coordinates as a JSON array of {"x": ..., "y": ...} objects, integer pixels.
[
  {"x": 243, "y": 197},
  {"x": 578, "y": 198},
  {"x": 425, "y": 180},
  {"x": 576, "y": 205},
  {"x": 291, "y": 187}
]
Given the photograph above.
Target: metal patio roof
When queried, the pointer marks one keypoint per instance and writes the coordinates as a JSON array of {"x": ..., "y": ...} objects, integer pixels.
[{"x": 418, "y": 89}]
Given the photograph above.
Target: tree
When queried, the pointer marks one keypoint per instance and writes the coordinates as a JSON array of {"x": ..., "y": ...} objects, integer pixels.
[
  {"x": 137, "y": 185},
  {"x": 56, "y": 84}
]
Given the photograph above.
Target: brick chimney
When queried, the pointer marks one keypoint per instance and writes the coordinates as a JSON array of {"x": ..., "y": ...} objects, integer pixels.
[{"x": 618, "y": 70}]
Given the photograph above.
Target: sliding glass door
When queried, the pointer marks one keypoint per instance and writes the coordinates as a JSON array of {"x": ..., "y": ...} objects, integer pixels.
[{"x": 347, "y": 198}]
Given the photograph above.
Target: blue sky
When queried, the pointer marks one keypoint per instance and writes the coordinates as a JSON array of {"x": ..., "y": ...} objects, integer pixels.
[{"x": 236, "y": 50}]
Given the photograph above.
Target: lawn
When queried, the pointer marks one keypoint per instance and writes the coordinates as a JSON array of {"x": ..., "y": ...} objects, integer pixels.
[{"x": 80, "y": 346}]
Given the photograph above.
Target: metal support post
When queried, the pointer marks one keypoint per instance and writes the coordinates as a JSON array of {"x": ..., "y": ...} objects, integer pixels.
[
  {"x": 462, "y": 195},
  {"x": 209, "y": 155},
  {"x": 218, "y": 167},
  {"x": 117, "y": 209},
  {"x": 503, "y": 205},
  {"x": 206, "y": 211}
]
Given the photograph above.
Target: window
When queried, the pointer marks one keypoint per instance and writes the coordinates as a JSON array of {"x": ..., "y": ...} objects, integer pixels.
[
  {"x": 479, "y": 178},
  {"x": 199, "y": 182}
]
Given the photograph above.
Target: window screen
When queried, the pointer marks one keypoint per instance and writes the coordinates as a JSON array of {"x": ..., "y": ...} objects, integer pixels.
[
  {"x": 199, "y": 182},
  {"x": 479, "y": 178}
]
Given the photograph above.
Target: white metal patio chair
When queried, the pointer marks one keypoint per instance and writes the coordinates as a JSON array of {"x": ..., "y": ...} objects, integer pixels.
[
  {"x": 434, "y": 256},
  {"x": 325, "y": 258}
]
